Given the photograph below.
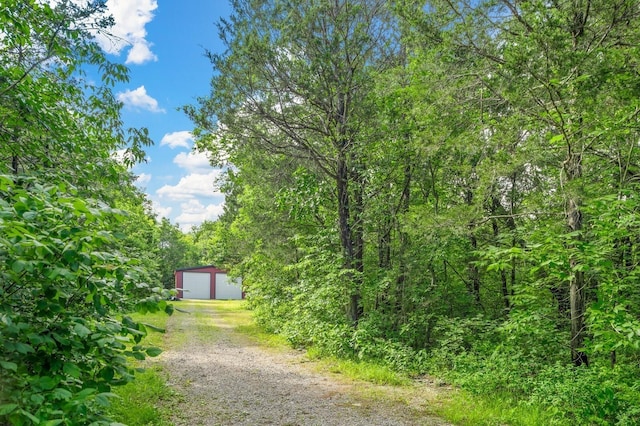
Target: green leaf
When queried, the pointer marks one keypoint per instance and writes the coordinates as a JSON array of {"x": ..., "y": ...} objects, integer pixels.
[
  {"x": 169, "y": 309},
  {"x": 18, "y": 266},
  {"x": 128, "y": 322},
  {"x": 46, "y": 383},
  {"x": 153, "y": 351},
  {"x": 7, "y": 365},
  {"x": 69, "y": 255},
  {"x": 107, "y": 373},
  {"x": 37, "y": 398},
  {"x": 62, "y": 394},
  {"x": 138, "y": 355},
  {"x": 154, "y": 328},
  {"x": 80, "y": 206},
  {"x": 7, "y": 409},
  {"x": 23, "y": 348},
  {"x": 556, "y": 138},
  {"x": 72, "y": 370},
  {"x": 84, "y": 394},
  {"x": 81, "y": 330},
  {"x": 35, "y": 339},
  {"x": 33, "y": 418},
  {"x": 105, "y": 397}
]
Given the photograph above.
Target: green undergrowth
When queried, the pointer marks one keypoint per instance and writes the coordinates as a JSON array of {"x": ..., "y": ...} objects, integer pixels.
[
  {"x": 464, "y": 408},
  {"x": 147, "y": 400},
  {"x": 512, "y": 390},
  {"x": 359, "y": 370}
]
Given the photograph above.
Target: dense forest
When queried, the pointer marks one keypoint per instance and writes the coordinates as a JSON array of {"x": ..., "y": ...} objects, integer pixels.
[
  {"x": 441, "y": 187},
  {"x": 445, "y": 187}
]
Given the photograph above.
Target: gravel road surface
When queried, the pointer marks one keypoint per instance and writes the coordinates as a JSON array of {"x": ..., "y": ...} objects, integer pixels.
[{"x": 225, "y": 379}]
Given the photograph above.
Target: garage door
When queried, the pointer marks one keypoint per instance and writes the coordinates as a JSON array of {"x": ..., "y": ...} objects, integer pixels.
[
  {"x": 226, "y": 288},
  {"x": 196, "y": 285}
]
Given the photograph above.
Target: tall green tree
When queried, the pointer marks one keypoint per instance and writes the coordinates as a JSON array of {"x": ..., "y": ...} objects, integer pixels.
[
  {"x": 294, "y": 82},
  {"x": 65, "y": 280},
  {"x": 173, "y": 251},
  {"x": 464, "y": 182},
  {"x": 44, "y": 55}
]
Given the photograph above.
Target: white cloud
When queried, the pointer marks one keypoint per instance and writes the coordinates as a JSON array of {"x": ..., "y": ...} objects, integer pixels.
[
  {"x": 194, "y": 162},
  {"x": 120, "y": 155},
  {"x": 192, "y": 186},
  {"x": 177, "y": 139},
  {"x": 195, "y": 197},
  {"x": 131, "y": 17},
  {"x": 139, "y": 99},
  {"x": 140, "y": 53},
  {"x": 194, "y": 213},
  {"x": 143, "y": 179},
  {"x": 160, "y": 210}
]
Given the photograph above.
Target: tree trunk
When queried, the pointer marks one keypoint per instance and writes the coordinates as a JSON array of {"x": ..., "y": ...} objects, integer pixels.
[
  {"x": 473, "y": 283},
  {"x": 351, "y": 238},
  {"x": 402, "y": 246},
  {"x": 573, "y": 170},
  {"x": 357, "y": 228},
  {"x": 384, "y": 243},
  {"x": 503, "y": 273},
  {"x": 576, "y": 291}
]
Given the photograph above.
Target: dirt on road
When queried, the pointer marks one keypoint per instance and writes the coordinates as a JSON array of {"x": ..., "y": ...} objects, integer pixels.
[{"x": 227, "y": 379}]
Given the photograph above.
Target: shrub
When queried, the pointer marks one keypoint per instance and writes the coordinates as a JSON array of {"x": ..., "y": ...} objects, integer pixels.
[{"x": 63, "y": 281}]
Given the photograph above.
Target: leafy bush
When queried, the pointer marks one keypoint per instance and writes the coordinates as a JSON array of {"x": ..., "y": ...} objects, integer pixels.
[
  {"x": 578, "y": 395},
  {"x": 370, "y": 345},
  {"x": 598, "y": 396},
  {"x": 63, "y": 281}
]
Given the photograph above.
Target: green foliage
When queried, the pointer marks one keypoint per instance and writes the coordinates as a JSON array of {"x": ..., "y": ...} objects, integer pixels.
[
  {"x": 492, "y": 409},
  {"x": 145, "y": 401},
  {"x": 611, "y": 257},
  {"x": 210, "y": 243},
  {"x": 301, "y": 302},
  {"x": 389, "y": 353},
  {"x": 54, "y": 118},
  {"x": 68, "y": 214},
  {"x": 568, "y": 395},
  {"x": 593, "y": 396},
  {"x": 63, "y": 280},
  {"x": 462, "y": 186},
  {"x": 173, "y": 252}
]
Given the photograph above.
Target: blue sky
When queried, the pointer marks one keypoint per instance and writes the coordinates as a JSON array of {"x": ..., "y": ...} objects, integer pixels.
[{"x": 163, "y": 43}]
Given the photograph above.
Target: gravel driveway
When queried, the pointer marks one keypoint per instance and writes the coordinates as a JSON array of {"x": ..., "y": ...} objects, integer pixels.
[{"x": 225, "y": 379}]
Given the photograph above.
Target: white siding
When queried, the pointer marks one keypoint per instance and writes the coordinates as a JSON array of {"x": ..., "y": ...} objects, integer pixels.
[
  {"x": 196, "y": 285},
  {"x": 227, "y": 289}
]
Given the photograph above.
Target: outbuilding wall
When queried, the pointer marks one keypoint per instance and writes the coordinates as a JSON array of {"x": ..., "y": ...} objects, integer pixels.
[{"x": 208, "y": 269}]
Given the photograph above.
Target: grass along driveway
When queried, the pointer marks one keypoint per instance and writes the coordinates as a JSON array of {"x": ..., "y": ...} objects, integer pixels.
[{"x": 220, "y": 369}]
